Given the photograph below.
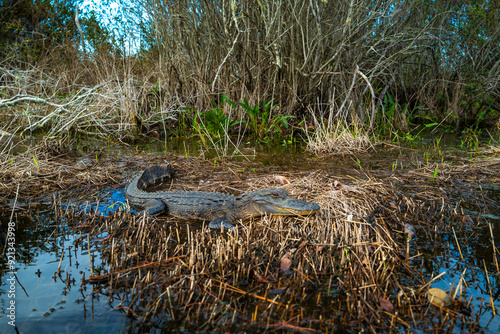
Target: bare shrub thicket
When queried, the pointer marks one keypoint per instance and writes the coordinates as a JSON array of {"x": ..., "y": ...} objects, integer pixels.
[
  {"x": 441, "y": 55},
  {"x": 100, "y": 96},
  {"x": 338, "y": 59}
]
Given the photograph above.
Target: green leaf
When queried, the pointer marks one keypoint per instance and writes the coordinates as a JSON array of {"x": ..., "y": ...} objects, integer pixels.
[{"x": 435, "y": 172}]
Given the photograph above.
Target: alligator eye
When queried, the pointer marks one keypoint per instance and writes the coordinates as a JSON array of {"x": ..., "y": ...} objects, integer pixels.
[{"x": 275, "y": 195}]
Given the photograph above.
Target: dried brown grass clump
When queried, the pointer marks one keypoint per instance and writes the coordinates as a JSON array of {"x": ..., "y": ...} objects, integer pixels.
[
  {"x": 350, "y": 265},
  {"x": 346, "y": 266},
  {"x": 335, "y": 136},
  {"x": 340, "y": 142},
  {"x": 115, "y": 103}
]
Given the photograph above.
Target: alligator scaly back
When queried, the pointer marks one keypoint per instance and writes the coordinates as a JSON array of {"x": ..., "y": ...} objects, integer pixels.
[{"x": 220, "y": 209}]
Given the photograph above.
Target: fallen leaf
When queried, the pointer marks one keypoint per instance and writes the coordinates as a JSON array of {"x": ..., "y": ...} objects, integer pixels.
[
  {"x": 281, "y": 179},
  {"x": 286, "y": 262},
  {"x": 260, "y": 278},
  {"x": 438, "y": 297},
  {"x": 386, "y": 305}
]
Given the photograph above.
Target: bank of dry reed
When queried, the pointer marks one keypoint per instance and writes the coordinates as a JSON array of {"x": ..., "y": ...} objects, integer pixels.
[
  {"x": 352, "y": 265},
  {"x": 326, "y": 53},
  {"x": 349, "y": 266}
]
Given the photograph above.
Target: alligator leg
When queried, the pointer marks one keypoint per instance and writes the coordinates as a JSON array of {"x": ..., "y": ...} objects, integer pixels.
[
  {"x": 154, "y": 207},
  {"x": 223, "y": 222}
]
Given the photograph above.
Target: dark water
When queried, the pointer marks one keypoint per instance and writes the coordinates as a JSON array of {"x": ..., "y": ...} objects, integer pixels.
[
  {"x": 463, "y": 258},
  {"x": 51, "y": 303},
  {"x": 47, "y": 302}
]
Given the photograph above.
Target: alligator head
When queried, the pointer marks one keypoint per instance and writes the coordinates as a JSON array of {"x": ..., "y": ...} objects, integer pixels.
[{"x": 274, "y": 201}]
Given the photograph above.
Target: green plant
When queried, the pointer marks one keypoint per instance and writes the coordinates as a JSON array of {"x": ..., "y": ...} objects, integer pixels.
[
  {"x": 435, "y": 172},
  {"x": 437, "y": 145},
  {"x": 262, "y": 122},
  {"x": 359, "y": 164},
  {"x": 213, "y": 122},
  {"x": 290, "y": 141},
  {"x": 410, "y": 138},
  {"x": 389, "y": 108},
  {"x": 184, "y": 119},
  {"x": 427, "y": 156},
  {"x": 470, "y": 138}
]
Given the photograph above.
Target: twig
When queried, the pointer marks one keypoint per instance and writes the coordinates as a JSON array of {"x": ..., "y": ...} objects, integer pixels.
[
  {"x": 146, "y": 265},
  {"x": 372, "y": 119},
  {"x": 224, "y": 60}
]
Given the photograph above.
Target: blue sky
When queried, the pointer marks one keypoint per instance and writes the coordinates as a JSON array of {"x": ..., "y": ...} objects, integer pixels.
[{"x": 115, "y": 18}]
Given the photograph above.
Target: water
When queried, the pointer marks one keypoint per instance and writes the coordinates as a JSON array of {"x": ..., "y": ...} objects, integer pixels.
[{"x": 47, "y": 302}]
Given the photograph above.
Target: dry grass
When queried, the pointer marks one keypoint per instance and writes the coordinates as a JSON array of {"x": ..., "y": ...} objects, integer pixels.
[
  {"x": 372, "y": 64},
  {"x": 271, "y": 273},
  {"x": 338, "y": 139},
  {"x": 313, "y": 274},
  {"x": 337, "y": 133},
  {"x": 114, "y": 106},
  {"x": 307, "y": 54}
]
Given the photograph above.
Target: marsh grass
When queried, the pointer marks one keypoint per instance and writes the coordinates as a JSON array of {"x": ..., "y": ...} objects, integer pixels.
[
  {"x": 117, "y": 105},
  {"x": 338, "y": 138},
  {"x": 56, "y": 102},
  {"x": 343, "y": 267},
  {"x": 308, "y": 274},
  {"x": 239, "y": 281},
  {"x": 337, "y": 131},
  {"x": 372, "y": 66}
]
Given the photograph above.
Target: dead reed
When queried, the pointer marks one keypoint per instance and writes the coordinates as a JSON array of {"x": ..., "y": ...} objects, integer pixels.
[
  {"x": 114, "y": 103},
  {"x": 352, "y": 265}
]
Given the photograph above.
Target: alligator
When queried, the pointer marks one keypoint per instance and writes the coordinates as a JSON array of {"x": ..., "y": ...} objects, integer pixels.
[{"x": 220, "y": 209}]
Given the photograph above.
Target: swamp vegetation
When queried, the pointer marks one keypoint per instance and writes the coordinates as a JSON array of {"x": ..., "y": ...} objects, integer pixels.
[
  {"x": 383, "y": 240},
  {"x": 384, "y": 113}
]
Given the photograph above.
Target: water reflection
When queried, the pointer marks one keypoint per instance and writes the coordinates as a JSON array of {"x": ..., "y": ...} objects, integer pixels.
[{"x": 47, "y": 302}]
